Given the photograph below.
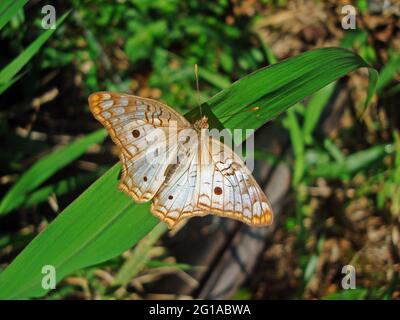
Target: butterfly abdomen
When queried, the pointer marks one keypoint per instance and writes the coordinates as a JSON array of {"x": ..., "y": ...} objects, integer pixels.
[{"x": 169, "y": 172}]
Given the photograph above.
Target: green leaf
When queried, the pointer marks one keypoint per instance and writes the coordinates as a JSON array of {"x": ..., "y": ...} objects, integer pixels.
[
  {"x": 296, "y": 139},
  {"x": 100, "y": 224},
  {"x": 334, "y": 151},
  {"x": 352, "y": 294},
  {"x": 388, "y": 71},
  {"x": 103, "y": 222},
  {"x": 45, "y": 168},
  {"x": 6, "y": 85},
  {"x": 275, "y": 88},
  {"x": 8, "y": 73},
  {"x": 159, "y": 264},
  {"x": 61, "y": 187},
  {"x": 215, "y": 79},
  {"x": 140, "y": 256},
  {"x": 351, "y": 164},
  {"x": 8, "y": 8},
  {"x": 314, "y": 110}
]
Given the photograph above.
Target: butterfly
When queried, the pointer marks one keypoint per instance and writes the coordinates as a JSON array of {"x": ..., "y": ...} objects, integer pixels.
[{"x": 183, "y": 171}]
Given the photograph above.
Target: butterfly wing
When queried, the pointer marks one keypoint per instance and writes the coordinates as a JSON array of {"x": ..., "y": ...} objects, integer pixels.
[
  {"x": 141, "y": 129},
  {"x": 226, "y": 186},
  {"x": 177, "y": 198},
  {"x": 212, "y": 180}
]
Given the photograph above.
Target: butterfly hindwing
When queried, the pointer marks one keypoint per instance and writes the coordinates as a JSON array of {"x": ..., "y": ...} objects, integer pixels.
[
  {"x": 213, "y": 180},
  {"x": 227, "y": 188}
]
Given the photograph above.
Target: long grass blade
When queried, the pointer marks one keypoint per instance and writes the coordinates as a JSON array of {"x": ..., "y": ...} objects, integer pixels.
[
  {"x": 8, "y": 73},
  {"x": 45, "y": 168},
  {"x": 8, "y": 8}
]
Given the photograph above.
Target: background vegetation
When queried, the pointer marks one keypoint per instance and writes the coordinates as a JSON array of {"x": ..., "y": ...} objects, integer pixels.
[{"x": 343, "y": 205}]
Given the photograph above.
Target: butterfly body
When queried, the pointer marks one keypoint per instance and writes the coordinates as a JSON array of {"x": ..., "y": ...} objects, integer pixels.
[
  {"x": 176, "y": 165},
  {"x": 201, "y": 124}
]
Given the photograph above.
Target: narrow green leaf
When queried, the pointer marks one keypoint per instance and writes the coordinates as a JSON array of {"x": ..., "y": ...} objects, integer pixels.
[
  {"x": 298, "y": 145},
  {"x": 8, "y": 8},
  {"x": 352, "y": 163},
  {"x": 277, "y": 87},
  {"x": 334, "y": 151},
  {"x": 10, "y": 71},
  {"x": 365, "y": 158},
  {"x": 158, "y": 264},
  {"x": 373, "y": 77},
  {"x": 388, "y": 71},
  {"x": 45, "y": 168},
  {"x": 314, "y": 110},
  {"x": 140, "y": 256},
  {"x": 100, "y": 224},
  {"x": 6, "y": 85},
  {"x": 60, "y": 188},
  {"x": 354, "y": 294},
  {"x": 215, "y": 79}
]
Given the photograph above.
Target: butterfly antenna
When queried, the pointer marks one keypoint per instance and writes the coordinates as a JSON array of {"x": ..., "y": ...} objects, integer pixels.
[{"x": 196, "y": 74}]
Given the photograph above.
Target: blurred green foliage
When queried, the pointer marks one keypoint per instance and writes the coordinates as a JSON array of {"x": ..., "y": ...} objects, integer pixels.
[{"x": 120, "y": 39}]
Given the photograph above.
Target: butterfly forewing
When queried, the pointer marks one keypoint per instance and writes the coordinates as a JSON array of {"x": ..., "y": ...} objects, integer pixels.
[{"x": 140, "y": 128}]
